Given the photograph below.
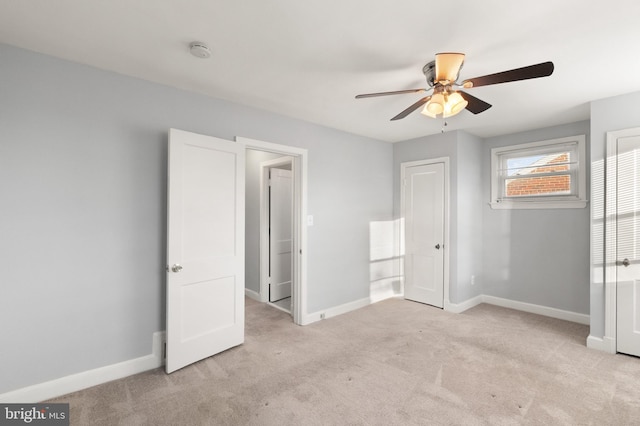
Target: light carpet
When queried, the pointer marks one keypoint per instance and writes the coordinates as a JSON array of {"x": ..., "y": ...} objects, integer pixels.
[{"x": 392, "y": 363}]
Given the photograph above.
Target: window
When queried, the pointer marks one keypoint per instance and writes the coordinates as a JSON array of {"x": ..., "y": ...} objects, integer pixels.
[{"x": 546, "y": 174}]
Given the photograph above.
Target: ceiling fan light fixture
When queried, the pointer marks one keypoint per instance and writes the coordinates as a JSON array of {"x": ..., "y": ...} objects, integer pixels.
[
  {"x": 445, "y": 104},
  {"x": 425, "y": 111},
  {"x": 436, "y": 105},
  {"x": 455, "y": 104}
]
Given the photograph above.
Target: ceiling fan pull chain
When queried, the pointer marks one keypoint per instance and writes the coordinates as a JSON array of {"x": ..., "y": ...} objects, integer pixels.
[{"x": 444, "y": 124}]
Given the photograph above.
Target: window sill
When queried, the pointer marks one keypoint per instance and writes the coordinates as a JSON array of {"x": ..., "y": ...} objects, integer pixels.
[{"x": 514, "y": 205}]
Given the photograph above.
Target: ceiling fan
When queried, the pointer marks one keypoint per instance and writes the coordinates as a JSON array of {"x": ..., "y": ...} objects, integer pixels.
[{"x": 447, "y": 99}]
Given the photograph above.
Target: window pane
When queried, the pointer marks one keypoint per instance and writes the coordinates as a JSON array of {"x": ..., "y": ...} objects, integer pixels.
[
  {"x": 535, "y": 164},
  {"x": 544, "y": 174},
  {"x": 541, "y": 185}
]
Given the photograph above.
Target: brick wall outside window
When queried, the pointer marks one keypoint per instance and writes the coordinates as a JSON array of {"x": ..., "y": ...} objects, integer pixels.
[{"x": 542, "y": 184}]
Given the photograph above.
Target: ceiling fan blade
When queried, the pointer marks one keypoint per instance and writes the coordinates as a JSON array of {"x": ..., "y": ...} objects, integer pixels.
[
  {"x": 474, "y": 105},
  {"x": 448, "y": 66},
  {"x": 412, "y": 108},
  {"x": 543, "y": 69},
  {"x": 397, "y": 92}
]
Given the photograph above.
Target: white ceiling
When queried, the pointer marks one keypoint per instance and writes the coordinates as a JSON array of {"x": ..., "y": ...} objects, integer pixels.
[{"x": 308, "y": 59}]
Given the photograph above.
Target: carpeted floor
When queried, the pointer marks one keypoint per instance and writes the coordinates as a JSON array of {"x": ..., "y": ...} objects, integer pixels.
[{"x": 392, "y": 363}]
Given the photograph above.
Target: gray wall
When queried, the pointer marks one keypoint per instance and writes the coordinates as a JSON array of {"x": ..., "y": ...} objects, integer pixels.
[
  {"x": 83, "y": 182},
  {"x": 536, "y": 256},
  {"x": 469, "y": 224},
  {"x": 617, "y": 113}
]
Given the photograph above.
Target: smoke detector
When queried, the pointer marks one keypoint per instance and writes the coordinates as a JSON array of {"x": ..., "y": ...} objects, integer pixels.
[{"x": 200, "y": 50}]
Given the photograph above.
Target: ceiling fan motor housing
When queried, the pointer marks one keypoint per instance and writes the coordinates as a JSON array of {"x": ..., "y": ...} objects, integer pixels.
[{"x": 429, "y": 72}]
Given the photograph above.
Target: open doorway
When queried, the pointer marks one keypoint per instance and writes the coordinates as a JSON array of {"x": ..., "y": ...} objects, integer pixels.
[{"x": 275, "y": 266}]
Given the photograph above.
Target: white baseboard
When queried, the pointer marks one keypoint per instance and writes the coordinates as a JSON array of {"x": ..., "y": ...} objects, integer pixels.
[
  {"x": 87, "y": 379},
  {"x": 461, "y": 307},
  {"x": 605, "y": 344},
  {"x": 519, "y": 306},
  {"x": 254, "y": 295},
  {"x": 537, "y": 309},
  {"x": 457, "y": 308},
  {"x": 335, "y": 311},
  {"x": 383, "y": 289}
]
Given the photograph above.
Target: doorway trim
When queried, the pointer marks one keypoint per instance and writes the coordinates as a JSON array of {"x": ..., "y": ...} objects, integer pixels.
[
  {"x": 299, "y": 167},
  {"x": 403, "y": 169},
  {"x": 265, "y": 167},
  {"x": 609, "y": 340}
]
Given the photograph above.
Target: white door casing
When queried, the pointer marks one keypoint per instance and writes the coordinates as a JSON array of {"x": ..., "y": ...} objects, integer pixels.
[
  {"x": 205, "y": 247},
  {"x": 281, "y": 242},
  {"x": 628, "y": 245},
  {"x": 299, "y": 166},
  {"x": 424, "y": 212}
]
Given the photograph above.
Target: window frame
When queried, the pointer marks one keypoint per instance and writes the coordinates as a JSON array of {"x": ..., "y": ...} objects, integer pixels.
[{"x": 575, "y": 199}]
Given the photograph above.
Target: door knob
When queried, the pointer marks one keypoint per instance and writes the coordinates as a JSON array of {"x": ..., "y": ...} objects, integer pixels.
[
  {"x": 438, "y": 246},
  {"x": 176, "y": 268},
  {"x": 626, "y": 262}
]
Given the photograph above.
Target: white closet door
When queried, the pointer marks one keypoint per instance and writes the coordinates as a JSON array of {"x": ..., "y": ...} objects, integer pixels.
[
  {"x": 424, "y": 233},
  {"x": 628, "y": 245}
]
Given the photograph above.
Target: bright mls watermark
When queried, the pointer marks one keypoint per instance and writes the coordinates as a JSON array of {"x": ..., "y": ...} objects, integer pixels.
[{"x": 34, "y": 414}]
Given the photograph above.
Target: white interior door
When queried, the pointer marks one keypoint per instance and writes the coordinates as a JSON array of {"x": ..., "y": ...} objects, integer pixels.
[
  {"x": 628, "y": 245},
  {"x": 205, "y": 247},
  {"x": 281, "y": 230},
  {"x": 424, "y": 214}
]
